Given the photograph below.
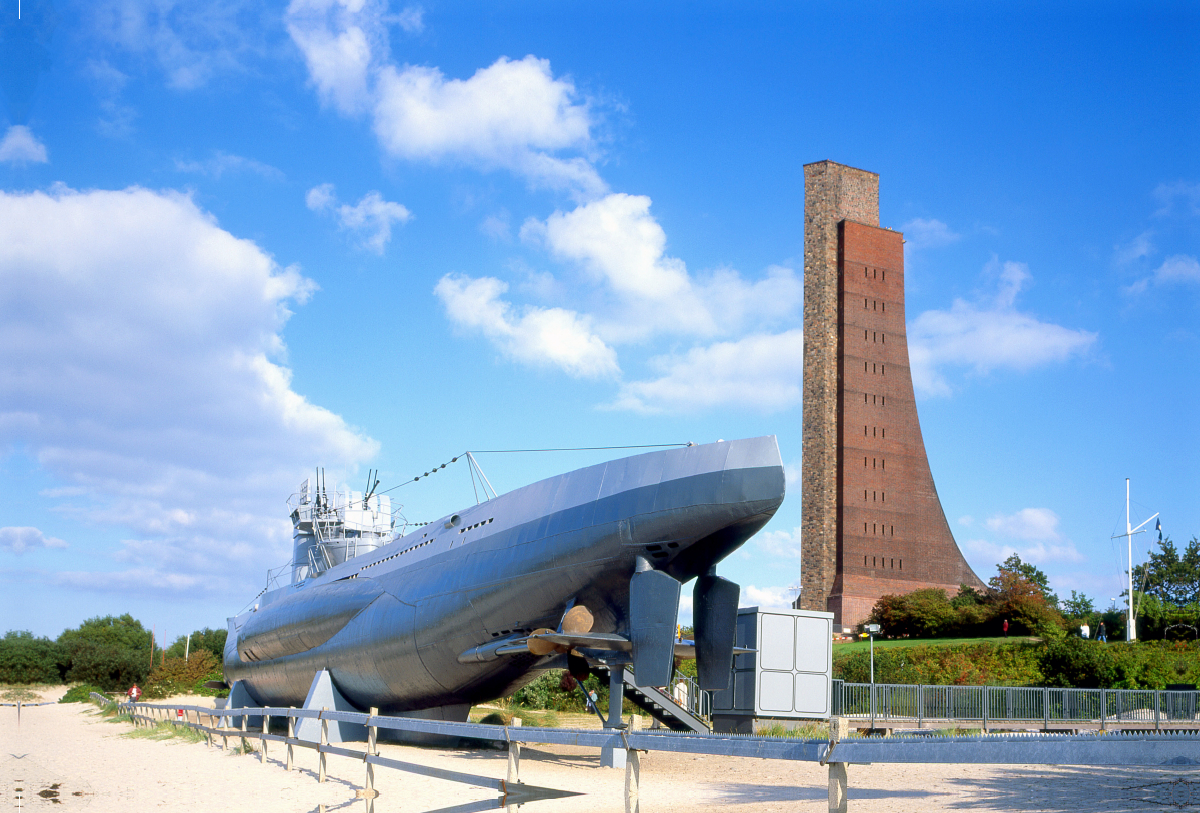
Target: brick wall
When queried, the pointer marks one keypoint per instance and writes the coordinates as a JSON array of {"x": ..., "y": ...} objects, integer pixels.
[
  {"x": 832, "y": 192},
  {"x": 871, "y": 519}
]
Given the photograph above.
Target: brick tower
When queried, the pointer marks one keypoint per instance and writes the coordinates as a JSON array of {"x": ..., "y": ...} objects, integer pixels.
[{"x": 872, "y": 523}]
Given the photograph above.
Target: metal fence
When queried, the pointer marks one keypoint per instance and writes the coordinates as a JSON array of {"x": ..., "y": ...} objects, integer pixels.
[{"x": 989, "y": 705}]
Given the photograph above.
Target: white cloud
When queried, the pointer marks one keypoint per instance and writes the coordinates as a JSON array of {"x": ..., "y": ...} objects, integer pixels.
[
  {"x": 779, "y": 544},
  {"x": 1030, "y": 524},
  {"x": 753, "y": 596},
  {"x": 1176, "y": 268},
  {"x": 342, "y": 41},
  {"x": 21, "y": 540},
  {"x": 1037, "y": 553},
  {"x": 923, "y": 232},
  {"x": 411, "y": 19},
  {"x": 370, "y": 220},
  {"x": 20, "y": 146},
  {"x": 222, "y": 162},
  {"x": 191, "y": 42},
  {"x": 622, "y": 248},
  {"x": 1136, "y": 249},
  {"x": 497, "y": 226},
  {"x": 1183, "y": 193},
  {"x": 539, "y": 336},
  {"x": 138, "y": 347},
  {"x": 988, "y": 335},
  {"x": 511, "y": 115},
  {"x": 762, "y": 371}
]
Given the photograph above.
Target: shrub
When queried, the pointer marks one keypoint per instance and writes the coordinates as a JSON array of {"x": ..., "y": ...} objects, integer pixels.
[
  {"x": 924, "y": 613},
  {"x": 80, "y": 694},
  {"x": 26, "y": 659},
  {"x": 177, "y": 676}
]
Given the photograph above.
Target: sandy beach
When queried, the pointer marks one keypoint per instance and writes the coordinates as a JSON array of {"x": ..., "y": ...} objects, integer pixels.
[{"x": 77, "y": 759}]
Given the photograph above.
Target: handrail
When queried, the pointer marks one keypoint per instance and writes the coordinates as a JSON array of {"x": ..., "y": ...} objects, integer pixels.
[{"x": 992, "y": 705}]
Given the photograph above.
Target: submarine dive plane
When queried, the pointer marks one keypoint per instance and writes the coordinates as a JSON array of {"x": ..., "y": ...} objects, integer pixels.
[{"x": 580, "y": 569}]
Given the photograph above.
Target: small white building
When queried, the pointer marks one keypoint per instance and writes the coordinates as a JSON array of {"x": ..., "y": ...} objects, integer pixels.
[{"x": 789, "y": 679}]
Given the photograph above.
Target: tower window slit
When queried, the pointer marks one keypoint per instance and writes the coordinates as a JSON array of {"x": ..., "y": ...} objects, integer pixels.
[
  {"x": 893, "y": 564},
  {"x": 864, "y": 397},
  {"x": 864, "y": 366},
  {"x": 883, "y": 465},
  {"x": 893, "y": 527},
  {"x": 902, "y": 568},
  {"x": 864, "y": 531},
  {"x": 884, "y": 308},
  {"x": 864, "y": 304},
  {"x": 864, "y": 431},
  {"x": 864, "y": 493},
  {"x": 864, "y": 461},
  {"x": 864, "y": 559}
]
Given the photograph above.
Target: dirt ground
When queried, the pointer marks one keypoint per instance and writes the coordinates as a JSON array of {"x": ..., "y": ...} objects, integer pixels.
[{"x": 67, "y": 757}]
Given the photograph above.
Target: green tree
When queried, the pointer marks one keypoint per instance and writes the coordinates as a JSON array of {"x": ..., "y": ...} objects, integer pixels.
[
  {"x": 110, "y": 651},
  {"x": 1171, "y": 578},
  {"x": 1012, "y": 569},
  {"x": 1078, "y": 606},
  {"x": 26, "y": 659},
  {"x": 206, "y": 640},
  {"x": 924, "y": 613}
]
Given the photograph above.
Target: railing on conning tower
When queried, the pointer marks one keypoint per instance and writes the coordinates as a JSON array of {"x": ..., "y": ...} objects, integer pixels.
[{"x": 328, "y": 529}]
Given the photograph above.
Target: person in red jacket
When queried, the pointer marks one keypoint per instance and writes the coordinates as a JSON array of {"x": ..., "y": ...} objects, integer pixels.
[
  {"x": 134, "y": 693},
  {"x": 1005, "y": 628}
]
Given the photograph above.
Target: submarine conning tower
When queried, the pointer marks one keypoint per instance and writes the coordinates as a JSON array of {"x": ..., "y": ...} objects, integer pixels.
[{"x": 330, "y": 529}]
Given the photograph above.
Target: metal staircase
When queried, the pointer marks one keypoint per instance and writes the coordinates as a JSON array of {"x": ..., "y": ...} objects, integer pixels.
[{"x": 660, "y": 705}]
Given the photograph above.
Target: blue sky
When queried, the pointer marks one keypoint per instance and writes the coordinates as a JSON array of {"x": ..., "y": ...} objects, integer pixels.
[{"x": 240, "y": 240}]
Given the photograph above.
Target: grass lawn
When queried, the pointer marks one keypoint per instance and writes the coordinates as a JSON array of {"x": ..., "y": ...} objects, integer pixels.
[{"x": 863, "y": 643}]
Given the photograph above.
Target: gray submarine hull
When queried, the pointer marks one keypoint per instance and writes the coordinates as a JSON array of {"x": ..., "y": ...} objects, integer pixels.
[{"x": 392, "y": 627}]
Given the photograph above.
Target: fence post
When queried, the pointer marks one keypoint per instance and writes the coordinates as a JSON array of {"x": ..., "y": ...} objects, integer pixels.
[
  {"x": 372, "y": 734},
  {"x": 291, "y": 737},
  {"x": 985, "y": 709},
  {"x": 514, "y": 758},
  {"x": 837, "y": 787},
  {"x": 324, "y": 742},
  {"x": 1103, "y": 710},
  {"x": 262, "y": 741},
  {"x": 1156, "y": 710},
  {"x": 633, "y": 775},
  {"x": 921, "y": 706},
  {"x": 872, "y": 689},
  {"x": 245, "y": 720},
  {"x": 1046, "y": 708}
]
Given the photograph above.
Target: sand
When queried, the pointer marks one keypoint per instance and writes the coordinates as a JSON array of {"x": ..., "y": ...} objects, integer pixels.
[{"x": 90, "y": 763}]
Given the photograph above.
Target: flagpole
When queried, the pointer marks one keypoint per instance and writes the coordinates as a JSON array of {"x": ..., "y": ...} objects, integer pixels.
[{"x": 1130, "y": 628}]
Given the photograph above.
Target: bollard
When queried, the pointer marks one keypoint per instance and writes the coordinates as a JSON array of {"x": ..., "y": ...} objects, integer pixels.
[
  {"x": 837, "y": 787},
  {"x": 291, "y": 736},
  {"x": 324, "y": 742},
  {"x": 514, "y": 757}
]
